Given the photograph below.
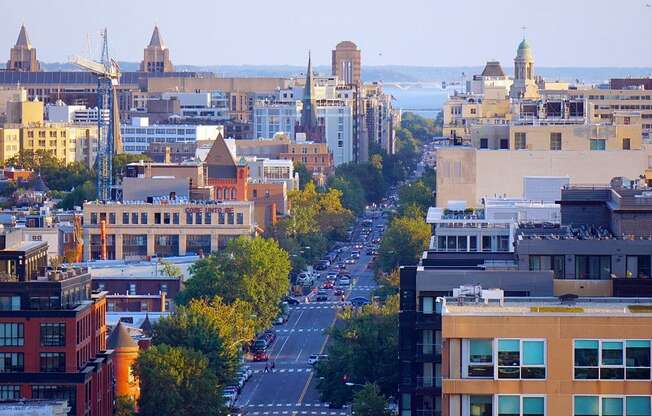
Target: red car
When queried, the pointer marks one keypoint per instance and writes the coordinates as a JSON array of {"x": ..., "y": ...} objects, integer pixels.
[
  {"x": 328, "y": 285},
  {"x": 339, "y": 292},
  {"x": 260, "y": 356}
]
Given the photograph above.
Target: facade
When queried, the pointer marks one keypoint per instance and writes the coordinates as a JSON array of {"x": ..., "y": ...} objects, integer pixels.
[
  {"x": 138, "y": 293},
  {"x": 60, "y": 112},
  {"x": 156, "y": 57},
  {"x": 585, "y": 358},
  {"x": 9, "y": 143},
  {"x": 346, "y": 63},
  {"x": 22, "y": 57},
  {"x": 316, "y": 157},
  {"x": 137, "y": 136},
  {"x": 164, "y": 228},
  {"x": 229, "y": 178},
  {"x": 125, "y": 352}
]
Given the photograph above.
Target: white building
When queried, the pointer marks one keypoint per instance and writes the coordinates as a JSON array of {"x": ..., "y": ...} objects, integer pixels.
[
  {"x": 137, "y": 136},
  {"x": 201, "y": 105},
  {"x": 79, "y": 114},
  {"x": 275, "y": 117},
  {"x": 273, "y": 171}
]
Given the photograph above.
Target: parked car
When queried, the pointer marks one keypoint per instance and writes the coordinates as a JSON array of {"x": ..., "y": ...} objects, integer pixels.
[
  {"x": 328, "y": 284},
  {"x": 349, "y": 261},
  {"x": 321, "y": 296},
  {"x": 260, "y": 344},
  {"x": 331, "y": 276},
  {"x": 359, "y": 301},
  {"x": 270, "y": 335},
  {"x": 290, "y": 300},
  {"x": 261, "y": 355},
  {"x": 315, "y": 358}
]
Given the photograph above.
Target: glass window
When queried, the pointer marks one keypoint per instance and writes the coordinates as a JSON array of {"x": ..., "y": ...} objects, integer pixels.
[
  {"x": 480, "y": 358},
  {"x": 480, "y": 405},
  {"x": 53, "y": 334},
  {"x": 427, "y": 305},
  {"x": 12, "y": 335},
  {"x": 166, "y": 218},
  {"x": 586, "y": 406},
  {"x": 175, "y": 218},
  {"x": 240, "y": 218},
  {"x": 521, "y": 359},
  {"x": 125, "y": 218},
  {"x": 637, "y": 405},
  {"x": 9, "y": 303},
  {"x": 611, "y": 361},
  {"x": 509, "y": 405},
  {"x": 53, "y": 362},
  {"x": 143, "y": 218},
  {"x": 637, "y": 359},
  {"x": 111, "y": 217},
  {"x": 520, "y": 142},
  {"x": 509, "y": 358},
  {"x": 598, "y": 144},
  {"x": 586, "y": 359},
  {"x": 11, "y": 362},
  {"x": 592, "y": 267},
  {"x": 9, "y": 392},
  {"x": 134, "y": 218},
  {"x": 534, "y": 406},
  {"x": 612, "y": 406},
  {"x": 555, "y": 141}
]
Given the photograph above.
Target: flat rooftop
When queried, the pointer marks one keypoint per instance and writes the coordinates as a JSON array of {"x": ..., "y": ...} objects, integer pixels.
[{"x": 548, "y": 306}]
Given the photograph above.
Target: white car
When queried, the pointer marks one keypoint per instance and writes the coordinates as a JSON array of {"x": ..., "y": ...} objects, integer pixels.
[
  {"x": 344, "y": 281},
  {"x": 331, "y": 276},
  {"x": 315, "y": 358}
]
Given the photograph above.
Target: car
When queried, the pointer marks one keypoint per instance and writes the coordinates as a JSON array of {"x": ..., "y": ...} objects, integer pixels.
[
  {"x": 331, "y": 276},
  {"x": 321, "y": 296},
  {"x": 291, "y": 301},
  {"x": 344, "y": 281},
  {"x": 260, "y": 355},
  {"x": 355, "y": 254},
  {"x": 270, "y": 334},
  {"x": 315, "y": 358},
  {"x": 349, "y": 261},
  {"x": 328, "y": 284},
  {"x": 339, "y": 292},
  {"x": 260, "y": 344},
  {"x": 359, "y": 301},
  {"x": 281, "y": 319},
  {"x": 341, "y": 266}
]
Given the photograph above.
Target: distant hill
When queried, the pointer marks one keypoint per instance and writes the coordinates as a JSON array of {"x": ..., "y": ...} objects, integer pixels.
[{"x": 395, "y": 73}]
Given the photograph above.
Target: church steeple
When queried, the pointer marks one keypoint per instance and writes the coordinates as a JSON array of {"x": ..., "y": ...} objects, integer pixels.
[
  {"x": 23, "y": 39},
  {"x": 156, "y": 57},
  {"x": 308, "y": 114},
  {"x": 22, "y": 57}
]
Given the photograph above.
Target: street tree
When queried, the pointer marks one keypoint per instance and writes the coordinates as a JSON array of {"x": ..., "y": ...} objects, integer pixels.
[
  {"x": 176, "y": 381},
  {"x": 403, "y": 243},
  {"x": 369, "y": 401}
]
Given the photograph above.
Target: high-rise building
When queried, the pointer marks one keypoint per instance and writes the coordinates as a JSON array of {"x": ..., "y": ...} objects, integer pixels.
[
  {"x": 346, "y": 63},
  {"x": 22, "y": 57},
  {"x": 156, "y": 56}
]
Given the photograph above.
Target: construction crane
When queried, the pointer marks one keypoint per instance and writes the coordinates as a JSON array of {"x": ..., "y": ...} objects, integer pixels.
[{"x": 109, "y": 141}]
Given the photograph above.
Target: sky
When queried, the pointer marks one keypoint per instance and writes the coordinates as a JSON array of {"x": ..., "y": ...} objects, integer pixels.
[{"x": 389, "y": 32}]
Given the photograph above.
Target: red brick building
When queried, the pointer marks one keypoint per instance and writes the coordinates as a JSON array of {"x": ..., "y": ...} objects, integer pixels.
[
  {"x": 53, "y": 335},
  {"x": 228, "y": 177},
  {"x": 138, "y": 293}
]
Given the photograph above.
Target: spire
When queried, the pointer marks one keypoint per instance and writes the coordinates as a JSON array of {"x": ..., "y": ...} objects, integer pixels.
[
  {"x": 23, "y": 39},
  {"x": 120, "y": 338},
  {"x": 308, "y": 92},
  {"x": 308, "y": 114},
  {"x": 156, "y": 40}
]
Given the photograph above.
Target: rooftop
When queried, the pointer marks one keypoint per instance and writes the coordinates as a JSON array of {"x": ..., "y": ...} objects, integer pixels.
[{"x": 547, "y": 306}]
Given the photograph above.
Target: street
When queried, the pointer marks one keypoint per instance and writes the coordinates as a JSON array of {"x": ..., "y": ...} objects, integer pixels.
[{"x": 290, "y": 389}]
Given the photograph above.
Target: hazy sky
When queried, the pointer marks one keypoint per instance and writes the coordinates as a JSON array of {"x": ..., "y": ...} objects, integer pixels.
[{"x": 411, "y": 32}]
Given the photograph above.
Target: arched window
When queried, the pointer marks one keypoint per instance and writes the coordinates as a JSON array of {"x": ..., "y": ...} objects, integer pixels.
[
  {"x": 218, "y": 193},
  {"x": 233, "y": 193}
]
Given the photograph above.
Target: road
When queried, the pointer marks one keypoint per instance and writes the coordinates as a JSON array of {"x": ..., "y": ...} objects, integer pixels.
[{"x": 290, "y": 389}]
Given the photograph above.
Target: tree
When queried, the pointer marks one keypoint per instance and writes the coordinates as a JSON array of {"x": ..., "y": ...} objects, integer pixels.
[
  {"x": 353, "y": 196},
  {"x": 81, "y": 194},
  {"x": 417, "y": 194},
  {"x": 176, "y": 380},
  {"x": 304, "y": 175},
  {"x": 57, "y": 175},
  {"x": 369, "y": 401},
  {"x": 120, "y": 161},
  {"x": 403, "y": 243},
  {"x": 171, "y": 270},
  {"x": 366, "y": 347},
  {"x": 214, "y": 328},
  {"x": 125, "y": 406},
  {"x": 254, "y": 270}
]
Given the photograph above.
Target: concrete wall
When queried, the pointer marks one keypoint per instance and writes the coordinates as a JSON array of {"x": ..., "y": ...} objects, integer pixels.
[{"x": 469, "y": 174}]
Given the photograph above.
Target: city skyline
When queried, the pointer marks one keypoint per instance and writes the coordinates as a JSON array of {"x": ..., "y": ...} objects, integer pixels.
[{"x": 479, "y": 32}]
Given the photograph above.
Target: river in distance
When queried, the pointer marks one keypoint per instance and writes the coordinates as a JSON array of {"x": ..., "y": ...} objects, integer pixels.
[{"x": 426, "y": 101}]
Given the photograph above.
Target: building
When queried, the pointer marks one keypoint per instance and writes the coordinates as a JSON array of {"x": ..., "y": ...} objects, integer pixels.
[
  {"x": 163, "y": 227},
  {"x": 9, "y": 143},
  {"x": 555, "y": 357},
  {"x": 346, "y": 63},
  {"x": 22, "y": 57},
  {"x": 125, "y": 352},
  {"x": 139, "y": 134},
  {"x": 61, "y": 112},
  {"x": 309, "y": 125},
  {"x": 54, "y": 345},
  {"x": 156, "y": 57},
  {"x": 144, "y": 293},
  {"x": 524, "y": 85},
  {"x": 227, "y": 177},
  {"x": 41, "y": 407},
  {"x": 316, "y": 157},
  {"x": 272, "y": 171},
  {"x": 491, "y": 77}
]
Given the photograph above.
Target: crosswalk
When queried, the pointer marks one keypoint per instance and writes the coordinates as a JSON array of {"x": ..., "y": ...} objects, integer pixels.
[
  {"x": 287, "y": 331},
  {"x": 285, "y": 370},
  {"x": 292, "y": 409},
  {"x": 321, "y": 305}
]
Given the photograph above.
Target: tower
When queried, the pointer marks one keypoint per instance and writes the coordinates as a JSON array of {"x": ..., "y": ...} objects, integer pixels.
[
  {"x": 309, "y": 122},
  {"x": 22, "y": 57},
  {"x": 156, "y": 57},
  {"x": 125, "y": 352},
  {"x": 346, "y": 62},
  {"x": 524, "y": 85}
]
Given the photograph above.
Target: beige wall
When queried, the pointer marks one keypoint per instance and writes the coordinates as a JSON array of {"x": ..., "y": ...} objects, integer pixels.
[
  {"x": 9, "y": 143},
  {"x": 160, "y": 84},
  {"x": 470, "y": 174}
]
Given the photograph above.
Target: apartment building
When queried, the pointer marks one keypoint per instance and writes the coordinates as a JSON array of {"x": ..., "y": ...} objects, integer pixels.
[
  {"x": 137, "y": 136},
  {"x": 554, "y": 357}
]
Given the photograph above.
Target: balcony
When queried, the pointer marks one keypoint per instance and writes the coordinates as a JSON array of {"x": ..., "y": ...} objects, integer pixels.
[
  {"x": 429, "y": 382},
  {"x": 427, "y": 350}
]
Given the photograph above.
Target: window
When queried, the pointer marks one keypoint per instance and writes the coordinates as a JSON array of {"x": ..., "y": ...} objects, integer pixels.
[
  {"x": 9, "y": 392},
  {"x": 53, "y": 362},
  {"x": 143, "y": 218},
  {"x": 134, "y": 218},
  {"x": 504, "y": 144},
  {"x": 12, "y": 335},
  {"x": 638, "y": 266},
  {"x": 229, "y": 218},
  {"x": 637, "y": 359},
  {"x": 520, "y": 142},
  {"x": 11, "y": 362},
  {"x": 93, "y": 217},
  {"x": 555, "y": 141},
  {"x": 478, "y": 358},
  {"x": 132, "y": 289},
  {"x": 125, "y": 218},
  {"x": 9, "y": 303},
  {"x": 111, "y": 217},
  {"x": 198, "y": 218},
  {"x": 480, "y": 405},
  {"x": 612, "y": 359},
  {"x": 157, "y": 218},
  {"x": 554, "y": 263},
  {"x": 611, "y": 406},
  {"x": 175, "y": 218},
  {"x": 240, "y": 218},
  {"x": 484, "y": 143},
  {"x": 627, "y": 144},
  {"x": 586, "y": 357},
  {"x": 521, "y": 359},
  {"x": 598, "y": 144},
  {"x": 189, "y": 217},
  {"x": 57, "y": 392},
  {"x": 53, "y": 334},
  {"x": 592, "y": 267},
  {"x": 521, "y": 405},
  {"x": 427, "y": 302}
]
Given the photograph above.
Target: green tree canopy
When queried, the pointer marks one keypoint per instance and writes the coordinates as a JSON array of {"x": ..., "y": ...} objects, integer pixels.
[
  {"x": 353, "y": 196},
  {"x": 84, "y": 192},
  {"x": 213, "y": 328},
  {"x": 403, "y": 243},
  {"x": 369, "y": 401},
  {"x": 57, "y": 175},
  {"x": 176, "y": 381},
  {"x": 304, "y": 175},
  {"x": 366, "y": 350},
  {"x": 252, "y": 270},
  {"x": 417, "y": 194}
]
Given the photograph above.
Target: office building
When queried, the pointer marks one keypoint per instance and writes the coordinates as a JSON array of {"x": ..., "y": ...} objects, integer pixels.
[
  {"x": 22, "y": 57},
  {"x": 139, "y": 134},
  {"x": 346, "y": 63}
]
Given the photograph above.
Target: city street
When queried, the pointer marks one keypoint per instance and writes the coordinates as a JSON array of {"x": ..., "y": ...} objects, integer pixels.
[{"x": 290, "y": 389}]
